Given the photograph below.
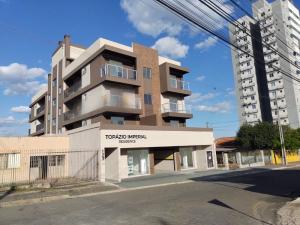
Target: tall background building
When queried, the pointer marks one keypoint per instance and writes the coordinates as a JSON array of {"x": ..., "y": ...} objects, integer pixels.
[{"x": 267, "y": 64}]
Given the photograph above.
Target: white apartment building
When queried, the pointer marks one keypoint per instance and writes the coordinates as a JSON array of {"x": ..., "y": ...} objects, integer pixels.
[{"x": 275, "y": 30}]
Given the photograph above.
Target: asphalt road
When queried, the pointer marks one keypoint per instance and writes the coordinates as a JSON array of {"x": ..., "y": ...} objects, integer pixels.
[{"x": 220, "y": 200}]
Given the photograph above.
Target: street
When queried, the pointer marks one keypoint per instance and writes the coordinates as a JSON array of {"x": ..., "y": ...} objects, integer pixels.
[{"x": 251, "y": 198}]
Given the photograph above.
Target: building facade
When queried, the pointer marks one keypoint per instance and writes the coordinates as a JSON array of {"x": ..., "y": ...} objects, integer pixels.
[
  {"x": 126, "y": 102},
  {"x": 264, "y": 90}
]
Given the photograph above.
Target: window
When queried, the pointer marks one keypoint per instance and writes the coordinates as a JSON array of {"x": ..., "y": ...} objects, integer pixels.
[
  {"x": 59, "y": 90},
  {"x": 9, "y": 161},
  {"x": 56, "y": 160},
  {"x": 34, "y": 161},
  {"x": 84, "y": 123},
  {"x": 148, "y": 99},
  {"x": 54, "y": 122},
  {"x": 59, "y": 111},
  {"x": 54, "y": 83},
  {"x": 52, "y": 160},
  {"x": 54, "y": 102},
  {"x": 147, "y": 73},
  {"x": 174, "y": 123},
  {"x": 117, "y": 120}
]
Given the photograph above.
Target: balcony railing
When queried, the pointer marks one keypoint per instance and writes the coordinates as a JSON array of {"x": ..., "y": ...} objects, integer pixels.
[
  {"x": 40, "y": 109},
  {"x": 39, "y": 127},
  {"x": 121, "y": 101},
  {"x": 72, "y": 114},
  {"x": 118, "y": 71},
  {"x": 72, "y": 89},
  {"x": 176, "y": 107},
  {"x": 179, "y": 84}
]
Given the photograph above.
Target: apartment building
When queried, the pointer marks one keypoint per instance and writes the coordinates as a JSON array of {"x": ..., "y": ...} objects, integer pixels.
[
  {"x": 274, "y": 45},
  {"x": 127, "y": 101},
  {"x": 38, "y": 114}
]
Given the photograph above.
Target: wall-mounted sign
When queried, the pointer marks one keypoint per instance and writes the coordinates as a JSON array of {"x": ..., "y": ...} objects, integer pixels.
[{"x": 126, "y": 138}]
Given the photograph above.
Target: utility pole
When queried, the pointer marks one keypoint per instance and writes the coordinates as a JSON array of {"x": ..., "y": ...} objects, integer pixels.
[
  {"x": 206, "y": 124},
  {"x": 281, "y": 136}
]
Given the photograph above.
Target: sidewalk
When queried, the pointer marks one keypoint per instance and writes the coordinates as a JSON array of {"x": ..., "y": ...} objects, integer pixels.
[
  {"x": 290, "y": 213},
  {"x": 17, "y": 197}
]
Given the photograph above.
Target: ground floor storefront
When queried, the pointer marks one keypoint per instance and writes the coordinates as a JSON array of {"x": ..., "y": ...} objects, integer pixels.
[
  {"x": 132, "y": 151},
  {"x": 146, "y": 161}
]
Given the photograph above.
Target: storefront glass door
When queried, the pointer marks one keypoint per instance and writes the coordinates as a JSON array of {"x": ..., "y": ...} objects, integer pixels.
[
  {"x": 186, "y": 158},
  {"x": 137, "y": 162}
]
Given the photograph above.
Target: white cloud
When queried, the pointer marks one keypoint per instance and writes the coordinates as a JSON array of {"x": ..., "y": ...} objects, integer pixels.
[
  {"x": 207, "y": 43},
  {"x": 20, "y": 109},
  {"x": 11, "y": 121},
  {"x": 153, "y": 19},
  {"x": 150, "y": 18},
  {"x": 221, "y": 107},
  {"x": 199, "y": 97},
  {"x": 171, "y": 47},
  {"x": 230, "y": 91},
  {"x": 18, "y": 79},
  {"x": 26, "y": 88},
  {"x": 200, "y": 78}
]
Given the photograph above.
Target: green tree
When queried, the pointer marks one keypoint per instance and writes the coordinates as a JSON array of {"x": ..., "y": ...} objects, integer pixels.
[
  {"x": 266, "y": 136},
  {"x": 259, "y": 136}
]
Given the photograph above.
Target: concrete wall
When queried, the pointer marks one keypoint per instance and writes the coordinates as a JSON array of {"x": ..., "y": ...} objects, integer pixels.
[{"x": 20, "y": 149}]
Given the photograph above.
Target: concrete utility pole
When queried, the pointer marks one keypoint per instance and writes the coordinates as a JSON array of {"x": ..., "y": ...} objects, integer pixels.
[{"x": 281, "y": 136}]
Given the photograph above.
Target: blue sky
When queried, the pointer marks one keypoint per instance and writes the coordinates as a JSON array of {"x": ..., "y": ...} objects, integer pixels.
[{"x": 31, "y": 29}]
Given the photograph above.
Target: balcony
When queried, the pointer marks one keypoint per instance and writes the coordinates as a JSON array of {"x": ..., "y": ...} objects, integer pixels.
[
  {"x": 248, "y": 93},
  {"x": 249, "y": 101},
  {"x": 246, "y": 75},
  {"x": 275, "y": 86},
  {"x": 40, "y": 110},
  {"x": 120, "y": 104},
  {"x": 176, "y": 110},
  {"x": 40, "y": 127},
  {"x": 39, "y": 130},
  {"x": 270, "y": 30},
  {"x": 249, "y": 111},
  {"x": 247, "y": 84},
  {"x": 176, "y": 86},
  {"x": 72, "y": 89},
  {"x": 119, "y": 74},
  {"x": 39, "y": 113}
]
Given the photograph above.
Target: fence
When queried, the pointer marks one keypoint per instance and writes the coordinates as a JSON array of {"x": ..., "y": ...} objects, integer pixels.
[
  {"x": 31, "y": 166},
  {"x": 251, "y": 157}
]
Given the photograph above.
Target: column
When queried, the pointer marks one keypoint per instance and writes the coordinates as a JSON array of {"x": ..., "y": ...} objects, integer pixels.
[{"x": 225, "y": 161}]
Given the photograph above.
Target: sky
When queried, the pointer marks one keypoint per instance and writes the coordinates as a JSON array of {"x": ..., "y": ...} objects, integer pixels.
[{"x": 31, "y": 29}]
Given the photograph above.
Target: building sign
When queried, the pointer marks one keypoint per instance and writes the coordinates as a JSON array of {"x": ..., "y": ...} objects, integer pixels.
[{"x": 126, "y": 138}]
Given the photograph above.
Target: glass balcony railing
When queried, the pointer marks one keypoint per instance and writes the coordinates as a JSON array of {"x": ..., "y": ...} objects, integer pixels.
[
  {"x": 179, "y": 84},
  {"x": 176, "y": 107},
  {"x": 72, "y": 89},
  {"x": 40, "y": 109},
  {"x": 118, "y": 71},
  {"x": 122, "y": 101},
  {"x": 39, "y": 127},
  {"x": 72, "y": 114}
]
